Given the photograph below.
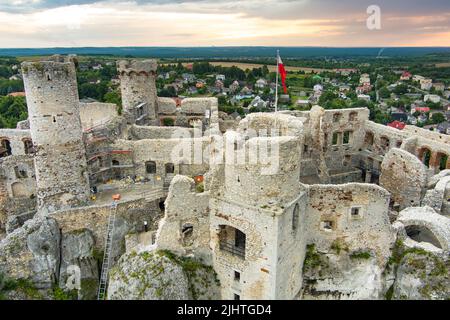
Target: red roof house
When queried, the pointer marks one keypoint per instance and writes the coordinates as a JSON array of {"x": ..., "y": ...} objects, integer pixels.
[{"x": 397, "y": 125}]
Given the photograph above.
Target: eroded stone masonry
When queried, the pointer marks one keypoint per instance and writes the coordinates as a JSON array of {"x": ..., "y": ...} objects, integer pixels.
[{"x": 353, "y": 209}]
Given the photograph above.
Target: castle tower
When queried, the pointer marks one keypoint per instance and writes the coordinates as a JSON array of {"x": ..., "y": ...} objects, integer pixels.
[
  {"x": 138, "y": 87},
  {"x": 55, "y": 125}
]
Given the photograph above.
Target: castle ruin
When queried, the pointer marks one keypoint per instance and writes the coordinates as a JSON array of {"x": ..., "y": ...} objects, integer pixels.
[{"x": 335, "y": 186}]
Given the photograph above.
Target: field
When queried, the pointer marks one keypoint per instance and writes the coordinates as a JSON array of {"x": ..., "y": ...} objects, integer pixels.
[
  {"x": 443, "y": 65},
  {"x": 250, "y": 66}
]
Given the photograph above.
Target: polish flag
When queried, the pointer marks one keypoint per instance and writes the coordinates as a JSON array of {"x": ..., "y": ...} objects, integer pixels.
[{"x": 283, "y": 73}]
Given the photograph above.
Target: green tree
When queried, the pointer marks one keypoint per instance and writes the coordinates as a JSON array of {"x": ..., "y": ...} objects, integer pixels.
[{"x": 437, "y": 118}]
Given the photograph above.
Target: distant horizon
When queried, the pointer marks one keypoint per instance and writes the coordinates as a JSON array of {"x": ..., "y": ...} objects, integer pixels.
[
  {"x": 227, "y": 52},
  {"x": 214, "y": 46},
  {"x": 200, "y": 23}
]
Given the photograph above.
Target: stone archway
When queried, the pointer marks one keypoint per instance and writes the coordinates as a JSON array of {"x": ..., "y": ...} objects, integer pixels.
[
  {"x": 422, "y": 234},
  {"x": 424, "y": 155}
]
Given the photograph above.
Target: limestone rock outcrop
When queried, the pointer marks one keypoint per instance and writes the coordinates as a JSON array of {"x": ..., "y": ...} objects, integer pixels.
[
  {"x": 422, "y": 276},
  {"x": 160, "y": 275},
  {"x": 32, "y": 252},
  {"x": 77, "y": 259}
]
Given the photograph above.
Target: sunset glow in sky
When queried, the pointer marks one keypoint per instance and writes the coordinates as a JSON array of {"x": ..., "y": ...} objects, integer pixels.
[{"x": 64, "y": 23}]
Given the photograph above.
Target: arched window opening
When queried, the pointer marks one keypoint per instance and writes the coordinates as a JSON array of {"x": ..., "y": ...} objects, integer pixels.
[
  {"x": 28, "y": 146},
  {"x": 170, "y": 168},
  {"x": 353, "y": 116},
  {"x": 5, "y": 148},
  {"x": 425, "y": 156},
  {"x": 232, "y": 240},
  {"x": 150, "y": 167},
  {"x": 422, "y": 234},
  {"x": 442, "y": 160},
  {"x": 368, "y": 140}
]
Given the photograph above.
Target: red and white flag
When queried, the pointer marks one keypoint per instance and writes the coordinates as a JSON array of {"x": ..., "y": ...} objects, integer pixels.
[{"x": 283, "y": 73}]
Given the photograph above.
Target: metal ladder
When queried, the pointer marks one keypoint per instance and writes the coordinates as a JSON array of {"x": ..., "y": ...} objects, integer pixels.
[{"x": 107, "y": 254}]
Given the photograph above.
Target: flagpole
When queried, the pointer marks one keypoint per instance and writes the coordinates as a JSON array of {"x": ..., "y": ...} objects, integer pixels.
[{"x": 276, "y": 83}]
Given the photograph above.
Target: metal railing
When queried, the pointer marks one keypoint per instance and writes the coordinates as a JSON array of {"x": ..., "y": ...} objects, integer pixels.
[{"x": 231, "y": 248}]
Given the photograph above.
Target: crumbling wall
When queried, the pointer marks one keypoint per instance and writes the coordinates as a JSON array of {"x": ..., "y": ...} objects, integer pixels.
[
  {"x": 404, "y": 176},
  {"x": 150, "y": 132},
  {"x": 16, "y": 137},
  {"x": 130, "y": 217},
  {"x": 185, "y": 226},
  {"x": 179, "y": 152},
  {"x": 96, "y": 113},
  {"x": 353, "y": 215}
]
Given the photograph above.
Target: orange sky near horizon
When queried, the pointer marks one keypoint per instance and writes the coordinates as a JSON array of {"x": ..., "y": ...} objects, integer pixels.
[{"x": 118, "y": 24}]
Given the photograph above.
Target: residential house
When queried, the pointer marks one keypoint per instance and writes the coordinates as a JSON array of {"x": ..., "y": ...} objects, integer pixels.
[
  {"x": 16, "y": 77},
  {"x": 405, "y": 76},
  {"x": 219, "y": 84},
  {"x": 397, "y": 125},
  {"x": 399, "y": 116},
  {"x": 345, "y": 72},
  {"x": 344, "y": 88},
  {"x": 284, "y": 98},
  {"x": 302, "y": 103},
  {"x": 234, "y": 87},
  {"x": 188, "y": 77},
  {"x": 415, "y": 107},
  {"x": 246, "y": 91},
  {"x": 444, "y": 127},
  {"x": 364, "y": 97},
  {"x": 439, "y": 86},
  {"x": 426, "y": 84},
  {"x": 200, "y": 84},
  {"x": 418, "y": 78},
  {"x": 258, "y": 102},
  {"x": 318, "y": 88},
  {"x": 97, "y": 67},
  {"x": 261, "y": 83},
  {"x": 192, "y": 90},
  {"x": 432, "y": 97},
  {"x": 446, "y": 94},
  {"x": 366, "y": 88},
  {"x": 364, "y": 79}
]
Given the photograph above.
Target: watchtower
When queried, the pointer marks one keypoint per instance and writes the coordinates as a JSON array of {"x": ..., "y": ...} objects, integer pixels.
[
  {"x": 55, "y": 125},
  {"x": 138, "y": 87}
]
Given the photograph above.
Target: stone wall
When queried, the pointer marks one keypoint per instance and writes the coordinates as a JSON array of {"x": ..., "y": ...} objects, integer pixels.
[
  {"x": 16, "y": 138},
  {"x": 404, "y": 176},
  {"x": 96, "y": 113},
  {"x": 330, "y": 219},
  {"x": 53, "y": 107},
  {"x": 185, "y": 226},
  {"x": 130, "y": 217}
]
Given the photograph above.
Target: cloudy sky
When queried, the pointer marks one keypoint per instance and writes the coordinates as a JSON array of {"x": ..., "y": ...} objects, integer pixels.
[{"x": 64, "y": 23}]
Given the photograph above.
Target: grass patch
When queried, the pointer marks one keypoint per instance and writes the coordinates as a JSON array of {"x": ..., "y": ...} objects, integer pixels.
[
  {"x": 23, "y": 286},
  {"x": 60, "y": 294},
  {"x": 362, "y": 255},
  {"x": 312, "y": 258},
  {"x": 338, "y": 246},
  {"x": 200, "y": 187}
]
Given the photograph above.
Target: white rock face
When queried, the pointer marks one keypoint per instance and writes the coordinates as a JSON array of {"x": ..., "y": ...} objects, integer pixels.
[
  {"x": 422, "y": 276},
  {"x": 147, "y": 276},
  {"x": 339, "y": 277}
]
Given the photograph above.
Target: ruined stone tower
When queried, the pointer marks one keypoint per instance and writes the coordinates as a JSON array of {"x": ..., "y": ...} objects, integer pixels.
[
  {"x": 138, "y": 87},
  {"x": 53, "y": 108}
]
